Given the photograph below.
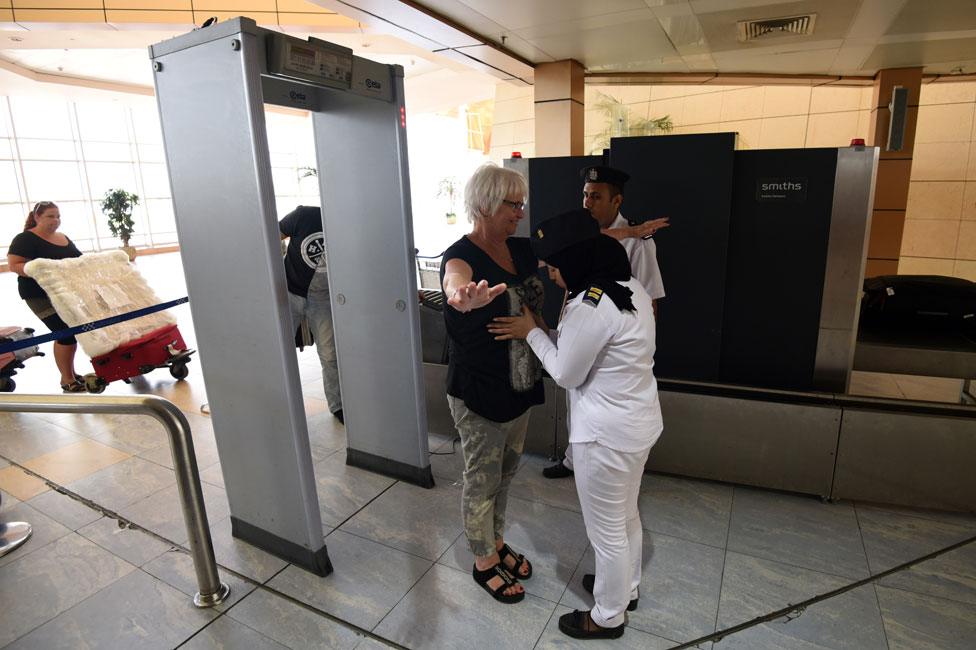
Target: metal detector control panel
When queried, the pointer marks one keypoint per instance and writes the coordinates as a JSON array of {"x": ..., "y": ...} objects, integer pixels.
[{"x": 316, "y": 61}]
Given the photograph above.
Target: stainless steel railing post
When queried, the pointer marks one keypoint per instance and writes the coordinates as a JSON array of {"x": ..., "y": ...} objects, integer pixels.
[{"x": 211, "y": 590}]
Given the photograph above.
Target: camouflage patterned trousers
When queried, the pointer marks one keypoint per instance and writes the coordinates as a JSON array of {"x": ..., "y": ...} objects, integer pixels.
[{"x": 491, "y": 457}]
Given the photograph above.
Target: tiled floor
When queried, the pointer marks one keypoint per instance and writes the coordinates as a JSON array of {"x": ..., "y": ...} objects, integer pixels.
[{"x": 716, "y": 556}]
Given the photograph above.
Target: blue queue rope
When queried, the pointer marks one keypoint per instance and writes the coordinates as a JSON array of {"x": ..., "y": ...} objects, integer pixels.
[{"x": 88, "y": 327}]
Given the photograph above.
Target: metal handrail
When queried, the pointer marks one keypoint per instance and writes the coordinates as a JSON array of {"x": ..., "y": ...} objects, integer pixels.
[{"x": 212, "y": 591}]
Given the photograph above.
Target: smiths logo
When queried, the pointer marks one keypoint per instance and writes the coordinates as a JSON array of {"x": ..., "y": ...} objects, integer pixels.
[
  {"x": 789, "y": 190},
  {"x": 372, "y": 84}
]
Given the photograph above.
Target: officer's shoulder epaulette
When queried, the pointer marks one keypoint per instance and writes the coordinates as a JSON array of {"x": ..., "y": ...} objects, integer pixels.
[{"x": 592, "y": 295}]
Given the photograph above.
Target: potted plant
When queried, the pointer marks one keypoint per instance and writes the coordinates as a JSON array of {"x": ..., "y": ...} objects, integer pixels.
[
  {"x": 117, "y": 206},
  {"x": 448, "y": 188},
  {"x": 620, "y": 123}
]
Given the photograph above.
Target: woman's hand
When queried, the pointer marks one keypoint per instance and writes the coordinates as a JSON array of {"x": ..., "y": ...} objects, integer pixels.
[
  {"x": 513, "y": 327},
  {"x": 474, "y": 296}
]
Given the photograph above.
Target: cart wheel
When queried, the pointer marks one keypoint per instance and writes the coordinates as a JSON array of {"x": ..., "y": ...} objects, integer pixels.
[
  {"x": 93, "y": 384},
  {"x": 7, "y": 385},
  {"x": 179, "y": 371}
]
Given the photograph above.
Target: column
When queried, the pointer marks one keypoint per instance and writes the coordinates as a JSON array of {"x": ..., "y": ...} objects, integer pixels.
[
  {"x": 559, "y": 109},
  {"x": 894, "y": 170}
]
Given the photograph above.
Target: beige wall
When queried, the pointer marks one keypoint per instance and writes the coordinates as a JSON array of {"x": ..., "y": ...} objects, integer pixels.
[
  {"x": 940, "y": 227},
  {"x": 765, "y": 117},
  {"x": 514, "y": 125},
  {"x": 940, "y": 222}
]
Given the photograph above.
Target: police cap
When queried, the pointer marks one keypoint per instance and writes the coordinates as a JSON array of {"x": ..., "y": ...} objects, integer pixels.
[
  {"x": 602, "y": 174},
  {"x": 562, "y": 231}
]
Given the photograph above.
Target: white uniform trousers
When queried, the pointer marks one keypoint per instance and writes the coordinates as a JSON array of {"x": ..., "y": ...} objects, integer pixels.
[{"x": 608, "y": 482}]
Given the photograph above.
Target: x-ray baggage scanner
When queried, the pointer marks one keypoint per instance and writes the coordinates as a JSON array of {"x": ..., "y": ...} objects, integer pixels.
[{"x": 211, "y": 86}]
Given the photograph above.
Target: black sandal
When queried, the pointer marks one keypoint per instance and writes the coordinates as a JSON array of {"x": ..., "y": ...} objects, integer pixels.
[
  {"x": 580, "y": 625},
  {"x": 506, "y": 551},
  {"x": 482, "y": 578},
  {"x": 589, "y": 580}
]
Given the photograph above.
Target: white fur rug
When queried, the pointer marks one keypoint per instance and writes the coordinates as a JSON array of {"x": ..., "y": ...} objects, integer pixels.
[{"x": 95, "y": 286}]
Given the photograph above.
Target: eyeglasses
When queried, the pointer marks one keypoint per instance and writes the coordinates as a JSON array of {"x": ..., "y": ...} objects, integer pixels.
[{"x": 515, "y": 205}]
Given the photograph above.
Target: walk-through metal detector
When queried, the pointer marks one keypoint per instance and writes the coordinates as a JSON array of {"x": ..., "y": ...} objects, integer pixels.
[{"x": 211, "y": 86}]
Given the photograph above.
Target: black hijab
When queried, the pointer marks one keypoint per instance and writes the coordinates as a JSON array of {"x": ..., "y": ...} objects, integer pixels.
[{"x": 600, "y": 261}]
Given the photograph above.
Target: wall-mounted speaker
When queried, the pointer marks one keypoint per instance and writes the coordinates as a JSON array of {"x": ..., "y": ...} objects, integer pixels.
[{"x": 898, "y": 107}]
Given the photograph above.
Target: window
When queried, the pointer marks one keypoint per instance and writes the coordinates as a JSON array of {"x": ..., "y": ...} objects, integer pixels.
[{"x": 53, "y": 149}]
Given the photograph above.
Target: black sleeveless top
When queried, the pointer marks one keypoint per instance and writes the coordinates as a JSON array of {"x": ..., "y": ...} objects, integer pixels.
[
  {"x": 498, "y": 380},
  {"x": 33, "y": 247}
]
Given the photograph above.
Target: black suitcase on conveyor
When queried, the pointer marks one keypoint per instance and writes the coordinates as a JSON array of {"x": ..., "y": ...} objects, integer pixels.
[{"x": 920, "y": 302}]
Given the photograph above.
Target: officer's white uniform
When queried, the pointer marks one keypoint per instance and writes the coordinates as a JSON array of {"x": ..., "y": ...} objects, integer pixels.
[
  {"x": 642, "y": 254},
  {"x": 604, "y": 357}
]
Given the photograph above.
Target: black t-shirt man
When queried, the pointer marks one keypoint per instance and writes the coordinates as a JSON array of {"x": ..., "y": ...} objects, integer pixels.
[
  {"x": 306, "y": 247},
  {"x": 32, "y": 247}
]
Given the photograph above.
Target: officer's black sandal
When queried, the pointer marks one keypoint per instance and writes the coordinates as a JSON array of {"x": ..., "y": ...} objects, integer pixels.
[
  {"x": 580, "y": 625},
  {"x": 589, "y": 579},
  {"x": 559, "y": 470},
  {"x": 506, "y": 551},
  {"x": 482, "y": 578}
]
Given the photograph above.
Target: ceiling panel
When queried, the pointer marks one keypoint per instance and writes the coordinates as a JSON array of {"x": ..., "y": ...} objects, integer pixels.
[
  {"x": 874, "y": 18},
  {"x": 563, "y": 27},
  {"x": 712, "y": 6},
  {"x": 919, "y": 16},
  {"x": 897, "y": 55},
  {"x": 803, "y": 62},
  {"x": 675, "y": 8},
  {"x": 496, "y": 59},
  {"x": 851, "y": 57},
  {"x": 519, "y": 14},
  {"x": 467, "y": 17},
  {"x": 699, "y": 62},
  {"x": 525, "y": 49},
  {"x": 620, "y": 47},
  {"x": 686, "y": 33},
  {"x": 130, "y": 66}
]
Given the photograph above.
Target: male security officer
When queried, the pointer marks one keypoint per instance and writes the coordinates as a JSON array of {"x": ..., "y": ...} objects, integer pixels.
[
  {"x": 308, "y": 292},
  {"x": 603, "y": 192}
]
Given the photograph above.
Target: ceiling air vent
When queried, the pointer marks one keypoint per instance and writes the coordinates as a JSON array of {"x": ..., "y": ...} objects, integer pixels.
[{"x": 751, "y": 30}]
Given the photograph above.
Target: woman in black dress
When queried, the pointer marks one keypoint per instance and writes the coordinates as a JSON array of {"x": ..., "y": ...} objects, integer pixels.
[{"x": 42, "y": 240}]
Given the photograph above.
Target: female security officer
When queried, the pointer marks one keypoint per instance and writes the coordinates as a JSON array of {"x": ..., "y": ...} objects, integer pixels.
[{"x": 603, "y": 354}]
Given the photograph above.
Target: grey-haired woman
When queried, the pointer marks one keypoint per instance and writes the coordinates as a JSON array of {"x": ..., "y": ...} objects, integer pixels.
[{"x": 491, "y": 385}]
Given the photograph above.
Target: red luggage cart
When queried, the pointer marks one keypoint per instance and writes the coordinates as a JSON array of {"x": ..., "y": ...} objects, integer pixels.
[{"x": 161, "y": 348}]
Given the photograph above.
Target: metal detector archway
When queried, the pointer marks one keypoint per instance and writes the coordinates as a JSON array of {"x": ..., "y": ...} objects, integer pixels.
[{"x": 211, "y": 86}]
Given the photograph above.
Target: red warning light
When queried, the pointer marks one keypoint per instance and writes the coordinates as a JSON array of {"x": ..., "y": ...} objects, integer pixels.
[
  {"x": 403, "y": 117},
  {"x": 857, "y": 142},
  {"x": 516, "y": 154}
]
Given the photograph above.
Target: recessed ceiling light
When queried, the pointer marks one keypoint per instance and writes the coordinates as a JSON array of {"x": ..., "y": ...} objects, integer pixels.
[{"x": 16, "y": 39}]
